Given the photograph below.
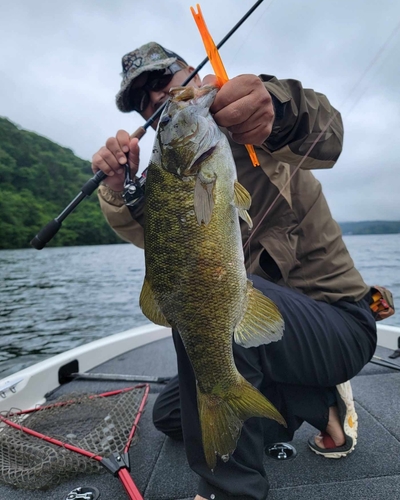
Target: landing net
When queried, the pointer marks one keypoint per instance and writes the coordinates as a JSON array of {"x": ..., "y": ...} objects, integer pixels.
[{"x": 86, "y": 428}]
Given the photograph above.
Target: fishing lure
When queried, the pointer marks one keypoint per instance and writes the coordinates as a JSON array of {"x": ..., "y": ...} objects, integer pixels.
[{"x": 217, "y": 64}]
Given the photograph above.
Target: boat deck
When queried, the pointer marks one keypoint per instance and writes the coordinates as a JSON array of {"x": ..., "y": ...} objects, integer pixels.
[{"x": 159, "y": 466}]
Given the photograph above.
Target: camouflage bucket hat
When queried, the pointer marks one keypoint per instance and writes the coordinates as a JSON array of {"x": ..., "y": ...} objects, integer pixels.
[{"x": 149, "y": 57}]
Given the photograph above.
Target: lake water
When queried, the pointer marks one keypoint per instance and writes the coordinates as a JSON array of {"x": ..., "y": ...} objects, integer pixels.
[{"x": 59, "y": 298}]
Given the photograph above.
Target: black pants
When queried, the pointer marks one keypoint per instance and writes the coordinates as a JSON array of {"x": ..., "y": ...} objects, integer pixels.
[{"x": 323, "y": 345}]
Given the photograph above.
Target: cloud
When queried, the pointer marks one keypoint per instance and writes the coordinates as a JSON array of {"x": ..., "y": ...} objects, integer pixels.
[{"x": 60, "y": 71}]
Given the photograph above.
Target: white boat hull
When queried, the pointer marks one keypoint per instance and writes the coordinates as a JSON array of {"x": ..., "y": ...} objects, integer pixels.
[{"x": 27, "y": 388}]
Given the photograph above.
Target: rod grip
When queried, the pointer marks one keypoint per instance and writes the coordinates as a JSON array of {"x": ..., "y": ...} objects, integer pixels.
[
  {"x": 93, "y": 183},
  {"x": 46, "y": 234},
  {"x": 138, "y": 133}
]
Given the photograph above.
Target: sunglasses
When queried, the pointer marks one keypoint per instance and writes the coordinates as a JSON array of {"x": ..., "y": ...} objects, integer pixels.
[{"x": 156, "y": 81}]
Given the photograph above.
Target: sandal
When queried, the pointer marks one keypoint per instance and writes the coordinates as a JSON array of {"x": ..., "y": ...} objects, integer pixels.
[{"x": 349, "y": 421}]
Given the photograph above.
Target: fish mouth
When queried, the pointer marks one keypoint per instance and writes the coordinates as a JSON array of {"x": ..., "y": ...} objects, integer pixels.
[
  {"x": 201, "y": 96},
  {"x": 179, "y": 94},
  {"x": 187, "y": 131},
  {"x": 179, "y": 115}
]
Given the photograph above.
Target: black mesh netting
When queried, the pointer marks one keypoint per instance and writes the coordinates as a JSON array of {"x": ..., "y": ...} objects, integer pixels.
[{"x": 100, "y": 425}]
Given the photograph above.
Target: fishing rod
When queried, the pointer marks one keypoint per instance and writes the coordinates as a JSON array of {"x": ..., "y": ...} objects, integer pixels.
[
  {"x": 118, "y": 377},
  {"x": 376, "y": 360},
  {"x": 133, "y": 188}
]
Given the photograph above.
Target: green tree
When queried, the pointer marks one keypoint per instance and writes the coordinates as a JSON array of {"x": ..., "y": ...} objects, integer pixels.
[{"x": 38, "y": 178}]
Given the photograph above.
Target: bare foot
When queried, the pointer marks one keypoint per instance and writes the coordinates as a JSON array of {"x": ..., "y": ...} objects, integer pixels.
[
  {"x": 198, "y": 497},
  {"x": 334, "y": 429}
]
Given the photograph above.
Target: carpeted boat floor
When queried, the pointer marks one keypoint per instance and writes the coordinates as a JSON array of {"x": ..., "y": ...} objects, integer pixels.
[{"x": 160, "y": 471}]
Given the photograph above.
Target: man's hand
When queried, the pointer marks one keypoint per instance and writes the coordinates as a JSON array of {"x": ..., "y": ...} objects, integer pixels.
[
  {"x": 244, "y": 106},
  {"x": 112, "y": 157}
]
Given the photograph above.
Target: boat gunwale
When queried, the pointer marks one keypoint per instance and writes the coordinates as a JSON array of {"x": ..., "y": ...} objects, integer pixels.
[{"x": 27, "y": 388}]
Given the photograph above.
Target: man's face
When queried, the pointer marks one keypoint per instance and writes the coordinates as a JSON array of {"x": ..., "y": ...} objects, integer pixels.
[{"x": 158, "y": 96}]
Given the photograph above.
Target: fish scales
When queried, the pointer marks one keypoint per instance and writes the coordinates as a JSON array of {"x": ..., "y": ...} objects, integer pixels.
[{"x": 195, "y": 276}]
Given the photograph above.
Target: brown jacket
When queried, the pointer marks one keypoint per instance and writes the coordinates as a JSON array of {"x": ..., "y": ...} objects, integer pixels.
[{"x": 297, "y": 244}]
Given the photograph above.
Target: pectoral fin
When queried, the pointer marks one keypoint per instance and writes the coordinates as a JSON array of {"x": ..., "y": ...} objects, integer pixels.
[
  {"x": 150, "y": 307},
  {"x": 242, "y": 200},
  {"x": 262, "y": 322},
  {"x": 203, "y": 200}
]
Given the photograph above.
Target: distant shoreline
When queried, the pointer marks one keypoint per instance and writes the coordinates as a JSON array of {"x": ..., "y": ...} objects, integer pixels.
[{"x": 370, "y": 227}]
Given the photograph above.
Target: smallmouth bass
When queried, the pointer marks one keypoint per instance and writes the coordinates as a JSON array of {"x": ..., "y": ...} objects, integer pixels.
[{"x": 195, "y": 275}]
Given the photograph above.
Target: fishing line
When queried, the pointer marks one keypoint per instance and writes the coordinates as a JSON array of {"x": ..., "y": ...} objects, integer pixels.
[
  {"x": 374, "y": 60},
  {"x": 367, "y": 88},
  {"x": 132, "y": 189},
  {"x": 234, "y": 57},
  {"x": 371, "y": 64}
]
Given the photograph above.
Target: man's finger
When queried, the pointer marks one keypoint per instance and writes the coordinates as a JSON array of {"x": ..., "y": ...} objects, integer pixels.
[
  {"x": 113, "y": 147},
  {"x": 134, "y": 155},
  {"x": 235, "y": 89},
  {"x": 104, "y": 160},
  {"x": 123, "y": 138},
  {"x": 236, "y": 113},
  {"x": 209, "y": 80},
  {"x": 256, "y": 136}
]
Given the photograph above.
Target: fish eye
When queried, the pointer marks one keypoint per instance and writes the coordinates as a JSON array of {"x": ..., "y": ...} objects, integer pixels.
[{"x": 165, "y": 119}]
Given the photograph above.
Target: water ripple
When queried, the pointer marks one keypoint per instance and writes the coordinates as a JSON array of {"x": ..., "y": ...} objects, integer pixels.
[{"x": 60, "y": 298}]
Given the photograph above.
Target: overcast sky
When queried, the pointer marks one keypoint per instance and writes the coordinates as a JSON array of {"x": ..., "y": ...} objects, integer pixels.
[{"x": 60, "y": 64}]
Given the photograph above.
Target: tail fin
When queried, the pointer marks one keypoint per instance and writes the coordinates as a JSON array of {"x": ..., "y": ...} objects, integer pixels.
[{"x": 222, "y": 417}]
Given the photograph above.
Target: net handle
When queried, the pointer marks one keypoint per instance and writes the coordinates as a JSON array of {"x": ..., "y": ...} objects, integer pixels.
[
  {"x": 93, "y": 396},
  {"x": 138, "y": 415},
  {"x": 129, "y": 485}
]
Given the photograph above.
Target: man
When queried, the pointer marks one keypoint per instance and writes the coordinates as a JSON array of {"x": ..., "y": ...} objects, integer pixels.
[{"x": 296, "y": 257}]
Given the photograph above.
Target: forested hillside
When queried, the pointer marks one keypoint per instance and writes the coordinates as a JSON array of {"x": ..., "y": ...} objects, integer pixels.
[
  {"x": 38, "y": 178},
  {"x": 371, "y": 227}
]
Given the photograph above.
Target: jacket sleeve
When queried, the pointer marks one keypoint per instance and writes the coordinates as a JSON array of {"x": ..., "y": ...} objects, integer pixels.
[
  {"x": 300, "y": 117},
  {"x": 120, "y": 218},
  {"x": 307, "y": 128}
]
